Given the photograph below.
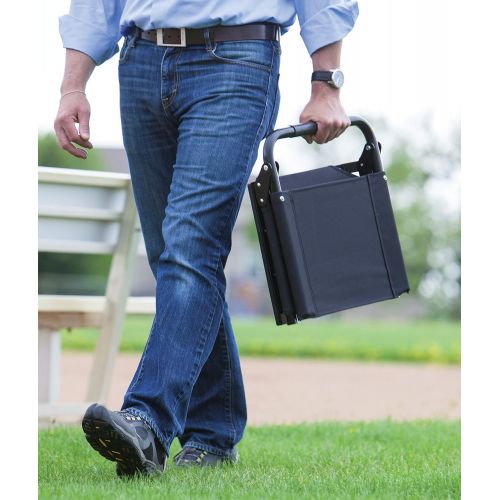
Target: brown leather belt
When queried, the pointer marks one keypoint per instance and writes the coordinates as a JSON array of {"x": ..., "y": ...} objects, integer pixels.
[{"x": 182, "y": 37}]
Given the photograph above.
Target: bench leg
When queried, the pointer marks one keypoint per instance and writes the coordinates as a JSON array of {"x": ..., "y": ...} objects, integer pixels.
[
  {"x": 49, "y": 363},
  {"x": 119, "y": 280}
]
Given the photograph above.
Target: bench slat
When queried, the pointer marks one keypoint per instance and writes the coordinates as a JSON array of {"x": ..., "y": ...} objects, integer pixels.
[
  {"x": 91, "y": 304},
  {"x": 55, "y": 321},
  {"x": 67, "y": 246},
  {"x": 82, "y": 177},
  {"x": 100, "y": 214}
]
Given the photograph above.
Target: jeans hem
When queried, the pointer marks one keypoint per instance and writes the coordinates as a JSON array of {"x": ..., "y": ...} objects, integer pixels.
[
  {"x": 211, "y": 449},
  {"x": 161, "y": 437}
]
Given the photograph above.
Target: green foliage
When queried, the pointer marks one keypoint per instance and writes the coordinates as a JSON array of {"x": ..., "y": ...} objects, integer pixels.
[
  {"x": 419, "y": 341},
  {"x": 378, "y": 460},
  {"x": 251, "y": 233},
  {"x": 423, "y": 181},
  {"x": 403, "y": 168},
  {"x": 50, "y": 154},
  {"x": 74, "y": 274}
]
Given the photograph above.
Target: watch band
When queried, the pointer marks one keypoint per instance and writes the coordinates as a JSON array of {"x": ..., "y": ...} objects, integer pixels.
[{"x": 322, "y": 76}]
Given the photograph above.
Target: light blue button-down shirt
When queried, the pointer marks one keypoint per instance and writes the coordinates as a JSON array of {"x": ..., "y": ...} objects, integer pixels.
[{"x": 95, "y": 26}]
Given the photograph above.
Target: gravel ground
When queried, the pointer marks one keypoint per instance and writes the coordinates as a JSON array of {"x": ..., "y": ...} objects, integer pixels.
[{"x": 292, "y": 390}]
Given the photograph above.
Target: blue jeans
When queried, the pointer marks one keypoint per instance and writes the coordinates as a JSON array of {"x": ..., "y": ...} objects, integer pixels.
[{"x": 192, "y": 121}]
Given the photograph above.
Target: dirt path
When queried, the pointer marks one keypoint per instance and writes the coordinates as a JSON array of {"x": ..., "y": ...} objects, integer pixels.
[{"x": 289, "y": 391}]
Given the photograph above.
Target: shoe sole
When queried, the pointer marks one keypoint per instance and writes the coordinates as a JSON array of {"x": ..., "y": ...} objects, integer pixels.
[{"x": 114, "y": 442}]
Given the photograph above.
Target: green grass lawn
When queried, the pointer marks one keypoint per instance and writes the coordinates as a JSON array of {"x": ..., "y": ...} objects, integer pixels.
[
  {"x": 420, "y": 341},
  {"x": 385, "y": 460}
]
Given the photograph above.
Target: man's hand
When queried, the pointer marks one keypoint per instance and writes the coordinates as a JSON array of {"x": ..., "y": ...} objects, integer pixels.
[
  {"x": 73, "y": 108},
  {"x": 324, "y": 108}
]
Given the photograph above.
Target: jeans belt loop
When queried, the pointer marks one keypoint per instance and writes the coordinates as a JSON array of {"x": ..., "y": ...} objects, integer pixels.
[{"x": 208, "y": 36}]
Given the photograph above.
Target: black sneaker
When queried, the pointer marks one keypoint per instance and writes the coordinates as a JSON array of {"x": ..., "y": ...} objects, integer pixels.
[
  {"x": 125, "y": 439},
  {"x": 189, "y": 456}
]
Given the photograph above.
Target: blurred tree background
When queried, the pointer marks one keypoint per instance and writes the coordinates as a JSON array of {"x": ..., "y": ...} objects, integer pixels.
[
  {"x": 424, "y": 183},
  {"x": 70, "y": 273}
]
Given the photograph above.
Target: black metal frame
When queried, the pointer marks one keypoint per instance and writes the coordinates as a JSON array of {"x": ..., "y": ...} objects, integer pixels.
[{"x": 268, "y": 178}]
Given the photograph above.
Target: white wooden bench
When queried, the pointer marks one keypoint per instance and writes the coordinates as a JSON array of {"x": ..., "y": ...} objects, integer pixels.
[{"x": 86, "y": 212}]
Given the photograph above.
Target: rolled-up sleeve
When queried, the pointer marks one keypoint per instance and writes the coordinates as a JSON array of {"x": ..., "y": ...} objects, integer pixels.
[
  {"x": 92, "y": 27},
  {"x": 325, "y": 21}
]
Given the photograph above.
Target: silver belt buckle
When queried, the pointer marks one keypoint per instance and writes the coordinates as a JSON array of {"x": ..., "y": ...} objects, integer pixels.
[{"x": 159, "y": 38}]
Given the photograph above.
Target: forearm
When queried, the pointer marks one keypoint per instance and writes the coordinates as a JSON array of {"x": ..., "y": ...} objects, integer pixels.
[
  {"x": 77, "y": 71},
  {"x": 74, "y": 107},
  {"x": 324, "y": 59}
]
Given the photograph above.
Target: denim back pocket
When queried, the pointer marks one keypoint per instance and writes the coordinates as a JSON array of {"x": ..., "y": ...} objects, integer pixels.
[{"x": 258, "y": 54}]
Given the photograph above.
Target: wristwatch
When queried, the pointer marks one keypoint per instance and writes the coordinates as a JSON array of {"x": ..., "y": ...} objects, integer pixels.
[{"x": 334, "y": 77}]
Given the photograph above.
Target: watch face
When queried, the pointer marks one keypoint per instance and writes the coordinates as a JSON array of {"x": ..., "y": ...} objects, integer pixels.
[{"x": 338, "y": 78}]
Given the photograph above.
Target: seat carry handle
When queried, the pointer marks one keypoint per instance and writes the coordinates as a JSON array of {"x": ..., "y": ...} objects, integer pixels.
[{"x": 372, "y": 146}]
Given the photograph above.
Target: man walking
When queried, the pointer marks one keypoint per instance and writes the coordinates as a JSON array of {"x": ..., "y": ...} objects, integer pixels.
[{"x": 198, "y": 93}]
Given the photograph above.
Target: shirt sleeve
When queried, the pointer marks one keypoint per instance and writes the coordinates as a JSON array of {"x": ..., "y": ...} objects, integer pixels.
[
  {"x": 325, "y": 21},
  {"x": 92, "y": 27}
]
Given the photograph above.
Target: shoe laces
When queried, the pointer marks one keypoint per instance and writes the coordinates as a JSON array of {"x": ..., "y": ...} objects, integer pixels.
[
  {"x": 190, "y": 454},
  {"x": 132, "y": 418}
]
